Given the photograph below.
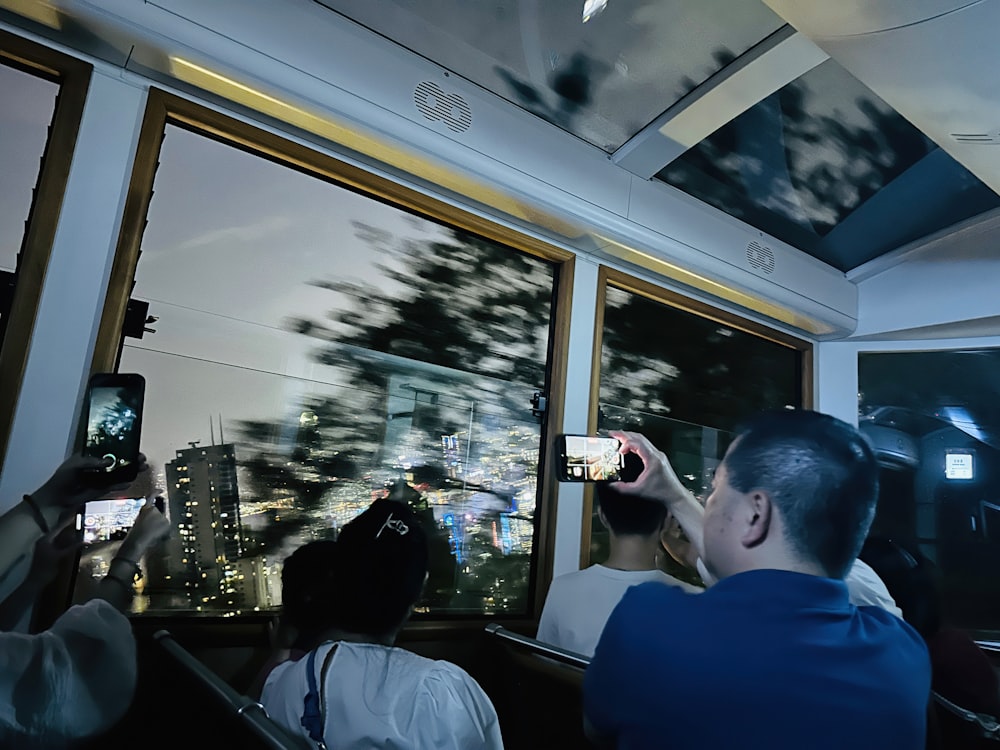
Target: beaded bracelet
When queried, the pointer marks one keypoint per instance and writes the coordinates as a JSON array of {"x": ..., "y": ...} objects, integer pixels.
[{"x": 37, "y": 514}]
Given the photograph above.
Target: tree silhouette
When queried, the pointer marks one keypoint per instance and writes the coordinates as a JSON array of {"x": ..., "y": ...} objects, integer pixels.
[{"x": 455, "y": 337}]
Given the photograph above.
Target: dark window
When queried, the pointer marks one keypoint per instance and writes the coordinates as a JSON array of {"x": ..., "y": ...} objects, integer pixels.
[
  {"x": 934, "y": 418},
  {"x": 685, "y": 381}
]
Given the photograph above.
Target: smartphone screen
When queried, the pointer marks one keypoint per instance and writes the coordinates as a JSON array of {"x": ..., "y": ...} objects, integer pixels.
[
  {"x": 114, "y": 422},
  {"x": 590, "y": 458},
  {"x": 108, "y": 520}
]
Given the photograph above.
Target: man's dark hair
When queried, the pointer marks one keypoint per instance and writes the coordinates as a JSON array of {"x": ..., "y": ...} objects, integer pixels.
[
  {"x": 381, "y": 567},
  {"x": 820, "y": 473},
  {"x": 627, "y": 514}
]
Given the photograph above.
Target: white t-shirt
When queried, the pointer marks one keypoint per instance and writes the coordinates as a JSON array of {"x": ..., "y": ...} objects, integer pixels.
[
  {"x": 864, "y": 587},
  {"x": 383, "y": 697},
  {"x": 72, "y": 680},
  {"x": 579, "y": 604}
]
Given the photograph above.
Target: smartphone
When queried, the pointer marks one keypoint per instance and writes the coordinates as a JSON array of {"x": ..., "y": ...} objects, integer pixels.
[
  {"x": 108, "y": 520},
  {"x": 113, "y": 420},
  {"x": 589, "y": 458}
]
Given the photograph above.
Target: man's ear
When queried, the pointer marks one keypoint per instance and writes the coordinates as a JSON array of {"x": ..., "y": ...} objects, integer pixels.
[
  {"x": 604, "y": 520},
  {"x": 756, "y": 518}
]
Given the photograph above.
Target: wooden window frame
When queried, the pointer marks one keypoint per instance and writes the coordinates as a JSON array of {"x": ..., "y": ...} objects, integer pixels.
[
  {"x": 73, "y": 77},
  {"x": 162, "y": 109}
]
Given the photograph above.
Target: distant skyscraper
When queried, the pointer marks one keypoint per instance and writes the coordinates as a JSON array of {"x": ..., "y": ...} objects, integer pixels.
[{"x": 205, "y": 507}]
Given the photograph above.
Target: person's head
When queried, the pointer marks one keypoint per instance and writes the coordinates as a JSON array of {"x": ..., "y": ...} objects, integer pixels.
[
  {"x": 910, "y": 580},
  {"x": 796, "y": 490},
  {"x": 307, "y": 594},
  {"x": 628, "y": 515},
  {"x": 381, "y": 569}
]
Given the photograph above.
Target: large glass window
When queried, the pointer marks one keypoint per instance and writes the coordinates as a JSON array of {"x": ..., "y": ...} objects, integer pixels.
[
  {"x": 316, "y": 348},
  {"x": 827, "y": 166},
  {"x": 934, "y": 418},
  {"x": 27, "y": 104},
  {"x": 686, "y": 381},
  {"x": 600, "y": 70}
]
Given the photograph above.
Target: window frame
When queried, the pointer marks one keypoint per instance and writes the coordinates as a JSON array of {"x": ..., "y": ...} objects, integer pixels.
[
  {"x": 162, "y": 109},
  {"x": 73, "y": 77},
  {"x": 610, "y": 277}
]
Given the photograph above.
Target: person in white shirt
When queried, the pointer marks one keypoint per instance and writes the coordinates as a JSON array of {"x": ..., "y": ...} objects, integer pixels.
[
  {"x": 76, "y": 678},
  {"x": 354, "y": 689},
  {"x": 579, "y": 603}
]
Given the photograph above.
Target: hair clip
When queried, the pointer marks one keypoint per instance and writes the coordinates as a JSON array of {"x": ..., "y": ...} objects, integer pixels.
[{"x": 396, "y": 525}]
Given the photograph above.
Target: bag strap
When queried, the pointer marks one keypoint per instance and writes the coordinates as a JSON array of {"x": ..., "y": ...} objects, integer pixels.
[{"x": 313, "y": 708}]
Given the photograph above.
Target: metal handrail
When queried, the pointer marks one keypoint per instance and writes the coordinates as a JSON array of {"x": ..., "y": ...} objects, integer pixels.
[
  {"x": 535, "y": 646},
  {"x": 987, "y": 725},
  {"x": 250, "y": 712}
]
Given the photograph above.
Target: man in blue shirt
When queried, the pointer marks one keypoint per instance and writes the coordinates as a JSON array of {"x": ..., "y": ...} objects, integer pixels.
[{"x": 774, "y": 655}]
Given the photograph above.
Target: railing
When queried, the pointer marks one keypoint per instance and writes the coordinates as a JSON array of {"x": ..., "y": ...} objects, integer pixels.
[
  {"x": 248, "y": 711},
  {"x": 542, "y": 649},
  {"x": 987, "y": 726}
]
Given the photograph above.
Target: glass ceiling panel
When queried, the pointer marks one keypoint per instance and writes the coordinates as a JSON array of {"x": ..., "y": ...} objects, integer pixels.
[
  {"x": 827, "y": 166},
  {"x": 603, "y": 80}
]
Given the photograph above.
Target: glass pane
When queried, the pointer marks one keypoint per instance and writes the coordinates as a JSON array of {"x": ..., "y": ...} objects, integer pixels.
[
  {"x": 827, "y": 166},
  {"x": 27, "y": 104},
  {"x": 316, "y": 349},
  {"x": 602, "y": 80},
  {"x": 938, "y": 443},
  {"x": 686, "y": 382}
]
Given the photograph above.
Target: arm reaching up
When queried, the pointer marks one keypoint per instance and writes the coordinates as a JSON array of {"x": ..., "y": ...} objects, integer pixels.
[{"x": 658, "y": 481}]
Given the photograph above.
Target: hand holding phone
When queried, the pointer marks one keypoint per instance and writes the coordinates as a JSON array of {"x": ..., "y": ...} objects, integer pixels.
[
  {"x": 113, "y": 419},
  {"x": 589, "y": 458}
]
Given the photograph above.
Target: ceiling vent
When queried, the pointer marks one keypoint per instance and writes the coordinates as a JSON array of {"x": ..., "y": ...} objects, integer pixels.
[
  {"x": 760, "y": 257},
  {"x": 437, "y": 106},
  {"x": 987, "y": 139}
]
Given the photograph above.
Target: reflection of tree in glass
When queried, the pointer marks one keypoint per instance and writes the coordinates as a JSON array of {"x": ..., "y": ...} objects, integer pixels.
[
  {"x": 112, "y": 419},
  {"x": 812, "y": 153},
  {"x": 573, "y": 84},
  {"x": 663, "y": 361},
  {"x": 466, "y": 317}
]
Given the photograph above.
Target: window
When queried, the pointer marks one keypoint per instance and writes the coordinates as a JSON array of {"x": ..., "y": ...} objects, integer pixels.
[
  {"x": 316, "y": 348},
  {"x": 686, "y": 378},
  {"x": 934, "y": 419},
  {"x": 41, "y": 102},
  {"x": 29, "y": 103},
  {"x": 827, "y": 166}
]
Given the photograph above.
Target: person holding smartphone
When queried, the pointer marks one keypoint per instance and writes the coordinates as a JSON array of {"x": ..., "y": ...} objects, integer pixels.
[
  {"x": 77, "y": 677},
  {"x": 774, "y": 655}
]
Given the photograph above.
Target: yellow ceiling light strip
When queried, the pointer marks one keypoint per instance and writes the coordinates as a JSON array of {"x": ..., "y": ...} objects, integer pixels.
[
  {"x": 329, "y": 129},
  {"x": 715, "y": 288},
  {"x": 36, "y": 10}
]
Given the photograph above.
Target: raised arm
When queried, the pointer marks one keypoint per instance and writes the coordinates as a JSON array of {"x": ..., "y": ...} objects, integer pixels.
[
  {"x": 41, "y": 511},
  {"x": 658, "y": 481}
]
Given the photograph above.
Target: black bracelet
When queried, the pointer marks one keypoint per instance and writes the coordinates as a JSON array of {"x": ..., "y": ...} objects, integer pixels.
[
  {"x": 37, "y": 514},
  {"x": 127, "y": 585}
]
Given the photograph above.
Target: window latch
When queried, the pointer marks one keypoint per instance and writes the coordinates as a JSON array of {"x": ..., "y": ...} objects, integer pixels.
[{"x": 539, "y": 403}]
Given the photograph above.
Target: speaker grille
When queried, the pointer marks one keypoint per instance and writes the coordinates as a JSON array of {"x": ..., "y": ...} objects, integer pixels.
[
  {"x": 760, "y": 257},
  {"x": 437, "y": 106}
]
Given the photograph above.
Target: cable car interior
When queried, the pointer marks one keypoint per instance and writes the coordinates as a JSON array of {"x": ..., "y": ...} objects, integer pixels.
[{"x": 555, "y": 218}]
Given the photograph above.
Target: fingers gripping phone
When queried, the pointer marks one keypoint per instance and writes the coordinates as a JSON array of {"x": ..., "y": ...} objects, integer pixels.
[
  {"x": 589, "y": 458},
  {"x": 113, "y": 425}
]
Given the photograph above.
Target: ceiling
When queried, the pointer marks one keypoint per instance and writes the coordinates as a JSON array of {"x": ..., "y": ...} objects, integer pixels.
[{"x": 802, "y": 151}]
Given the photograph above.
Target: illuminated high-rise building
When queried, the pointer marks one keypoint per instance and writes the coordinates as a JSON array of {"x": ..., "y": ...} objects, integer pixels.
[{"x": 205, "y": 507}]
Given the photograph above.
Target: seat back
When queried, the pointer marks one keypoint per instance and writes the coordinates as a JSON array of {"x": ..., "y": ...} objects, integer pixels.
[
  {"x": 961, "y": 728},
  {"x": 540, "y": 700},
  {"x": 238, "y": 713}
]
